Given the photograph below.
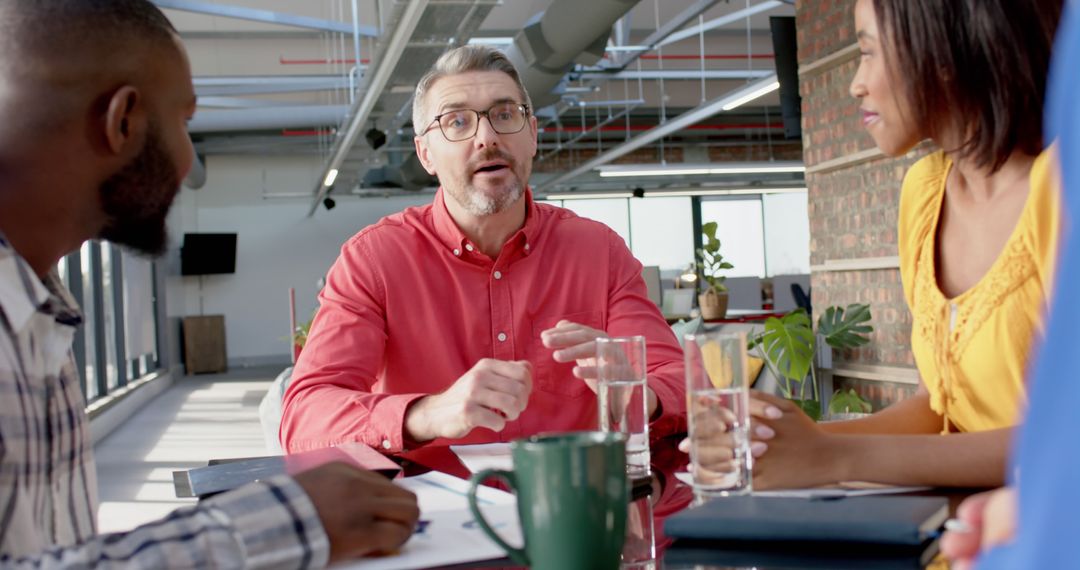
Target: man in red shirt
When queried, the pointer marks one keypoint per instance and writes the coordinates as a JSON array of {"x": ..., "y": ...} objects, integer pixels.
[{"x": 462, "y": 321}]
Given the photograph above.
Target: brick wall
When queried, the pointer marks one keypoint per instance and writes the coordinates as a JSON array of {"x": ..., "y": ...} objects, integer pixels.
[{"x": 852, "y": 206}]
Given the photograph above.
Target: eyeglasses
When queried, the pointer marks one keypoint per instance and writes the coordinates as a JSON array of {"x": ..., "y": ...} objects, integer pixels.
[{"x": 462, "y": 124}]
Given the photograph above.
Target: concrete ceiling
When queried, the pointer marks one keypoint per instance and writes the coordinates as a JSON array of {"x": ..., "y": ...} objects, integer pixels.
[{"x": 267, "y": 69}]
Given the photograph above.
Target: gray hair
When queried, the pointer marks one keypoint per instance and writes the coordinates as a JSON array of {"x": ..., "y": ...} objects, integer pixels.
[{"x": 462, "y": 60}]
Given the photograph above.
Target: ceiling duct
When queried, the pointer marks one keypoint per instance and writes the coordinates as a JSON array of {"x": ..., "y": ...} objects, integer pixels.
[{"x": 568, "y": 32}]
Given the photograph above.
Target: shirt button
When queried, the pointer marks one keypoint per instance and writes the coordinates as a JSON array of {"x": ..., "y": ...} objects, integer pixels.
[
  {"x": 526, "y": 247},
  {"x": 386, "y": 444},
  {"x": 498, "y": 274},
  {"x": 502, "y": 337},
  {"x": 469, "y": 246},
  {"x": 457, "y": 252}
]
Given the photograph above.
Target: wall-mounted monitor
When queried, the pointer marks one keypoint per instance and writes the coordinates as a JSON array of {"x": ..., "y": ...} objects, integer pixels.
[{"x": 207, "y": 254}]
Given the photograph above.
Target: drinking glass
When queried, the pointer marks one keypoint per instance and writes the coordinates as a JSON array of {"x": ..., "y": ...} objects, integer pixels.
[
  {"x": 620, "y": 363},
  {"x": 718, "y": 413}
]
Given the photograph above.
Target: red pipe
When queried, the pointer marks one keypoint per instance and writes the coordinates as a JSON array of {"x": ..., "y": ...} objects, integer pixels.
[
  {"x": 307, "y": 133},
  {"x": 721, "y": 127}
]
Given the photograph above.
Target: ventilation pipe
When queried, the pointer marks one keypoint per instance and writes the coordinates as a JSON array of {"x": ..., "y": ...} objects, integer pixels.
[
  {"x": 268, "y": 118},
  {"x": 568, "y": 32}
]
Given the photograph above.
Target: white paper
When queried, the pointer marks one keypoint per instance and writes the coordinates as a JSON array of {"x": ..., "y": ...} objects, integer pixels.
[
  {"x": 847, "y": 489},
  {"x": 450, "y": 534},
  {"x": 441, "y": 492},
  {"x": 484, "y": 456}
]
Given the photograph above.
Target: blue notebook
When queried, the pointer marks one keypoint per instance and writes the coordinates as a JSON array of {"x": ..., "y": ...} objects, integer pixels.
[{"x": 868, "y": 520}]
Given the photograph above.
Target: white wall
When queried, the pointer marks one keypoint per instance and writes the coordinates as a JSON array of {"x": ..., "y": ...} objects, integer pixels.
[{"x": 278, "y": 247}]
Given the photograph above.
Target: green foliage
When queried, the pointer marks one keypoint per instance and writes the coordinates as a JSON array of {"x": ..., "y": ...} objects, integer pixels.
[
  {"x": 846, "y": 328},
  {"x": 788, "y": 345},
  {"x": 811, "y": 407},
  {"x": 848, "y": 403},
  {"x": 710, "y": 262}
]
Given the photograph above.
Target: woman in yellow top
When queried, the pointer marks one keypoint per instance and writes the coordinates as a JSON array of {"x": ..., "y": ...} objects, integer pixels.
[{"x": 977, "y": 237}]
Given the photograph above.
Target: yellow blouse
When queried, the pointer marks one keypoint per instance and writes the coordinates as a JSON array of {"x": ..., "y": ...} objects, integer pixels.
[{"x": 972, "y": 350}]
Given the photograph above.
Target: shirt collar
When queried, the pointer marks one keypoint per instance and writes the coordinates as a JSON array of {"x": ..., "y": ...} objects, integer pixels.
[
  {"x": 22, "y": 293},
  {"x": 455, "y": 240}
]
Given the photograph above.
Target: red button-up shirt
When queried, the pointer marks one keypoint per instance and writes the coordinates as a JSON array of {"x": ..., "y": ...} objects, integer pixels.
[{"x": 411, "y": 305}]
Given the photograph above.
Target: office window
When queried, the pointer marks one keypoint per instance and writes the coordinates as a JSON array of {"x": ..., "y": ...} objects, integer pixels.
[
  {"x": 661, "y": 231},
  {"x": 787, "y": 234},
  {"x": 740, "y": 231},
  {"x": 90, "y": 286},
  {"x": 612, "y": 212},
  {"x": 112, "y": 372}
]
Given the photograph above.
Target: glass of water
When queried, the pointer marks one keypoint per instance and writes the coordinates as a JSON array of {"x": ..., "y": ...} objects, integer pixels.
[
  {"x": 620, "y": 364},
  {"x": 718, "y": 414}
]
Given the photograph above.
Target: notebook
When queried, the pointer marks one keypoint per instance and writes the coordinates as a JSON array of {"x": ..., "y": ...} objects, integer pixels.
[
  {"x": 227, "y": 474},
  {"x": 798, "y": 555},
  {"x": 869, "y": 520}
]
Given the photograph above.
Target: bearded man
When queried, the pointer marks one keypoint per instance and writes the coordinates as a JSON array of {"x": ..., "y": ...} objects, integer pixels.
[{"x": 474, "y": 319}]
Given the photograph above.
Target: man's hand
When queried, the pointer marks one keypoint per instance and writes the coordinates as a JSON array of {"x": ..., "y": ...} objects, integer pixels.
[
  {"x": 991, "y": 521},
  {"x": 573, "y": 342},
  {"x": 490, "y": 394},
  {"x": 361, "y": 511}
]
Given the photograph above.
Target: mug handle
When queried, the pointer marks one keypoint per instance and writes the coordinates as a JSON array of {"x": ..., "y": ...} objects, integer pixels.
[{"x": 518, "y": 555}]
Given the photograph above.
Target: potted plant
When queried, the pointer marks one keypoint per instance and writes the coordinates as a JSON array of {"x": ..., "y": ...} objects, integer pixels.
[
  {"x": 713, "y": 300},
  {"x": 788, "y": 344}
]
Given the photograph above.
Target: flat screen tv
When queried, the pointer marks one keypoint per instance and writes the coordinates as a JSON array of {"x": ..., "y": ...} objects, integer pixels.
[{"x": 207, "y": 254}]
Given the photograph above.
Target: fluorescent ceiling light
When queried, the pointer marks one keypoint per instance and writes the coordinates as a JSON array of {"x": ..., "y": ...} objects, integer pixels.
[
  {"x": 587, "y": 195},
  {"x": 676, "y": 193},
  {"x": 752, "y": 95},
  {"x": 682, "y": 169},
  {"x": 492, "y": 41},
  {"x": 330, "y": 177}
]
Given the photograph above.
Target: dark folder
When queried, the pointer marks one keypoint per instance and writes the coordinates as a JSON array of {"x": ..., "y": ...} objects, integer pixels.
[
  {"x": 225, "y": 475},
  {"x": 868, "y": 520}
]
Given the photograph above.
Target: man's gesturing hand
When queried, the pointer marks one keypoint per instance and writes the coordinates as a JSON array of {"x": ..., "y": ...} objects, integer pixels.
[{"x": 490, "y": 394}]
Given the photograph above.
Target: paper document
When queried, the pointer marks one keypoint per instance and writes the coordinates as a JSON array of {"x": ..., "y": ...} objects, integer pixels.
[
  {"x": 484, "y": 456},
  {"x": 447, "y": 533},
  {"x": 845, "y": 489}
]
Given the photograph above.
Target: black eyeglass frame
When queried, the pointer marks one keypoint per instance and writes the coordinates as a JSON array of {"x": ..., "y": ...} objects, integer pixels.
[{"x": 485, "y": 114}]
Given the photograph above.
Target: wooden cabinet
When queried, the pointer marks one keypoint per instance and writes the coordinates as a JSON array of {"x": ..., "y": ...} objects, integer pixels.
[{"x": 204, "y": 344}]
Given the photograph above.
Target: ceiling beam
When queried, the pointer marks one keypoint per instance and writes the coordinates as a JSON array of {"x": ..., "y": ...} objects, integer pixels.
[
  {"x": 721, "y": 21},
  {"x": 265, "y": 16},
  {"x": 676, "y": 74},
  {"x": 696, "y": 115},
  {"x": 362, "y": 108},
  {"x": 668, "y": 28}
]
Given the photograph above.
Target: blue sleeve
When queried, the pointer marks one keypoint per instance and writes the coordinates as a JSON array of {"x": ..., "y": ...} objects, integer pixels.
[{"x": 1048, "y": 459}]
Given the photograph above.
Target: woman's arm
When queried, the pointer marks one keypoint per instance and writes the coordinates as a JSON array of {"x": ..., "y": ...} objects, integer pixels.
[
  {"x": 909, "y": 416},
  {"x": 803, "y": 454}
]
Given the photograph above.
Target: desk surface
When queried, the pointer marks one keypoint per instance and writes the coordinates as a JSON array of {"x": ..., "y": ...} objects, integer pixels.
[{"x": 664, "y": 495}]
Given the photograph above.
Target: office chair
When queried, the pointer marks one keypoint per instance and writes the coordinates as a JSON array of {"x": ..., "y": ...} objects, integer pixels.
[{"x": 802, "y": 298}]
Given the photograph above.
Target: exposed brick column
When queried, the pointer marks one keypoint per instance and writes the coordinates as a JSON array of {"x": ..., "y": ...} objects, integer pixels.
[{"x": 854, "y": 194}]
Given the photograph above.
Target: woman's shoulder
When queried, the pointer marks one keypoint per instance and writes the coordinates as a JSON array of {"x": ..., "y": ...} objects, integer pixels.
[{"x": 920, "y": 195}]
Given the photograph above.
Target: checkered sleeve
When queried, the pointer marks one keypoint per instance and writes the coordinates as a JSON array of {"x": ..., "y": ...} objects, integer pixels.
[{"x": 268, "y": 524}]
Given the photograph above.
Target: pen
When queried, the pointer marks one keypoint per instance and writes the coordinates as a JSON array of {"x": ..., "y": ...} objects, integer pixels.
[{"x": 957, "y": 525}]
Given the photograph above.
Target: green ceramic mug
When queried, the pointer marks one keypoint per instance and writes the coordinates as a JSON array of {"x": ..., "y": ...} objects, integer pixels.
[{"x": 572, "y": 496}]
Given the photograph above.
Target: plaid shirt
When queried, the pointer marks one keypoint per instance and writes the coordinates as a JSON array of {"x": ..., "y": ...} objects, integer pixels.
[{"x": 48, "y": 487}]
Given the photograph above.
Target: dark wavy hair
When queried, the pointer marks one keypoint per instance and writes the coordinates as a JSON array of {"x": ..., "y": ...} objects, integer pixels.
[{"x": 977, "y": 67}]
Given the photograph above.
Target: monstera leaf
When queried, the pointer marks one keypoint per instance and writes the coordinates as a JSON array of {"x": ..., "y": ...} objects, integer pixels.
[
  {"x": 846, "y": 328},
  {"x": 788, "y": 344}
]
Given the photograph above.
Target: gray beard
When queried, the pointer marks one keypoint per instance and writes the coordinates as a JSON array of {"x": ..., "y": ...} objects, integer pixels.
[{"x": 479, "y": 203}]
